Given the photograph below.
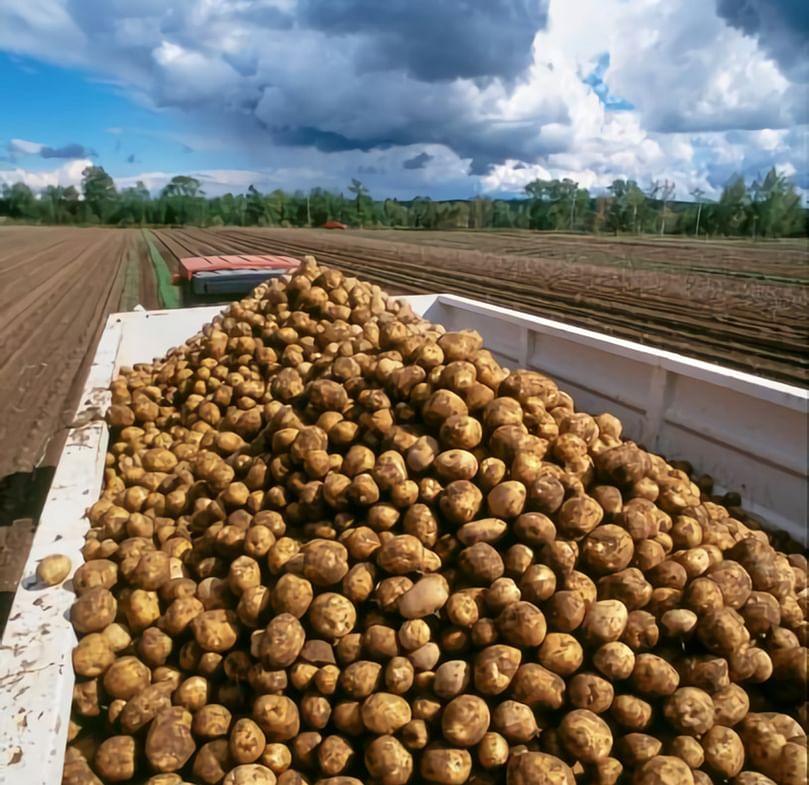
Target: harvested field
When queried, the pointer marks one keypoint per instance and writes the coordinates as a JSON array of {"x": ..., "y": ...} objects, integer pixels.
[
  {"x": 57, "y": 287},
  {"x": 743, "y": 305}
]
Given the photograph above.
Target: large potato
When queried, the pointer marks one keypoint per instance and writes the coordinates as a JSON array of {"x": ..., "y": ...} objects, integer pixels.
[{"x": 169, "y": 744}]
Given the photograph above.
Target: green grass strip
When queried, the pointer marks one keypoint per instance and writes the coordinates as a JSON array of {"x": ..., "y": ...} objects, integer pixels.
[
  {"x": 169, "y": 294},
  {"x": 131, "y": 291}
]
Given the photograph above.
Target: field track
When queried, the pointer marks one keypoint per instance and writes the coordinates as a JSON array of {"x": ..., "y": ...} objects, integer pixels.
[{"x": 722, "y": 306}]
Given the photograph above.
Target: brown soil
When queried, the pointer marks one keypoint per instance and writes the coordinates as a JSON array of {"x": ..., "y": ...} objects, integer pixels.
[
  {"x": 57, "y": 287},
  {"x": 743, "y": 305}
]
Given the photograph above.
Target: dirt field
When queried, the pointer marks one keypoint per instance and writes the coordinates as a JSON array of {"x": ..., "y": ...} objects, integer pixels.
[
  {"x": 56, "y": 288},
  {"x": 743, "y": 305}
]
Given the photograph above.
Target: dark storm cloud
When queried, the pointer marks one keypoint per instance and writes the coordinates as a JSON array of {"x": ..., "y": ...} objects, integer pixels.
[
  {"x": 67, "y": 151},
  {"x": 435, "y": 40},
  {"x": 325, "y": 141},
  {"x": 781, "y": 26},
  {"x": 417, "y": 161}
]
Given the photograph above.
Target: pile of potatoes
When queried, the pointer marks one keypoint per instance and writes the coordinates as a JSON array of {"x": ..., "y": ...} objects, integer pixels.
[{"x": 339, "y": 545}]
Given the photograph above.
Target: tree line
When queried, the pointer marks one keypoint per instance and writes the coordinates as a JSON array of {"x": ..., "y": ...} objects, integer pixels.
[{"x": 767, "y": 207}]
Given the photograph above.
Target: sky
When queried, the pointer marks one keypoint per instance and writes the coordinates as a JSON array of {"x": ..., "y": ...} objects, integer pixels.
[{"x": 443, "y": 98}]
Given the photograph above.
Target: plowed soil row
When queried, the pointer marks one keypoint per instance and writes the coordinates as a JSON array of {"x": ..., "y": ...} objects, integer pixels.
[
  {"x": 747, "y": 322},
  {"x": 785, "y": 260},
  {"x": 57, "y": 286}
]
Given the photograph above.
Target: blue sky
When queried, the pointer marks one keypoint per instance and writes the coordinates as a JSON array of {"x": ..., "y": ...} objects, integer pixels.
[{"x": 440, "y": 97}]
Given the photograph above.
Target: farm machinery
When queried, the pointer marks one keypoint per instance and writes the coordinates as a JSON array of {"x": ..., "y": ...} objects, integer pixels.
[{"x": 205, "y": 280}]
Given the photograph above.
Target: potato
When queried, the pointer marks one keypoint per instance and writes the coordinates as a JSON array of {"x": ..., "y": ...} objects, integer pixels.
[
  {"x": 631, "y": 712},
  {"x": 451, "y": 678},
  {"x": 115, "y": 759},
  {"x": 564, "y": 611},
  {"x": 589, "y": 691},
  {"x": 445, "y": 765},
  {"x": 334, "y": 755},
  {"x": 605, "y": 621},
  {"x": 792, "y": 763},
  {"x": 538, "y": 687},
  {"x": 636, "y": 748},
  {"x": 538, "y": 583},
  {"x": 654, "y": 676},
  {"x": 690, "y": 710},
  {"x": 515, "y": 721},
  {"x": 664, "y": 769},
  {"x": 561, "y": 653},
  {"x": 93, "y": 610},
  {"x": 250, "y": 774},
  {"x": 495, "y": 667},
  {"x": 751, "y": 778},
  {"x": 126, "y": 677},
  {"x": 615, "y": 660},
  {"x": 607, "y": 549},
  {"x": 331, "y": 616},
  {"x": 493, "y": 751},
  {"x": 211, "y": 721},
  {"x": 325, "y": 562},
  {"x": 282, "y": 641},
  {"x": 215, "y": 630},
  {"x": 522, "y": 624},
  {"x": 141, "y": 709},
  {"x": 465, "y": 720},
  {"x": 212, "y": 761},
  {"x": 578, "y": 516},
  {"x": 538, "y": 768},
  {"x": 246, "y": 741},
  {"x": 481, "y": 562},
  {"x": 384, "y": 713},
  {"x": 724, "y": 752},
  {"x": 169, "y": 745},
  {"x": 53, "y": 569},
  {"x": 277, "y": 716},
  {"x": 354, "y": 531},
  {"x": 585, "y": 736},
  {"x": 388, "y": 761},
  {"x": 92, "y": 656}
]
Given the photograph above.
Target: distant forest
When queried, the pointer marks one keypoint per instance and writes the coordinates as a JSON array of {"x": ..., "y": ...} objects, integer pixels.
[{"x": 767, "y": 207}]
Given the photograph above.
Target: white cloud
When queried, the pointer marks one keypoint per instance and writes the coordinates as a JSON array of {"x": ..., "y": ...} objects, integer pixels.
[
  {"x": 24, "y": 147},
  {"x": 303, "y": 87},
  {"x": 68, "y": 174}
]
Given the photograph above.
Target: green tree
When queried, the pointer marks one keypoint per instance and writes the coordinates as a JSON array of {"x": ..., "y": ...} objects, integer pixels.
[
  {"x": 732, "y": 207},
  {"x": 20, "y": 201},
  {"x": 774, "y": 205},
  {"x": 99, "y": 192},
  {"x": 360, "y": 193},
  {"x": 184, "y": 198},
  {"x": 256, "y": 212},
  {"x": 135, "y": 204}
]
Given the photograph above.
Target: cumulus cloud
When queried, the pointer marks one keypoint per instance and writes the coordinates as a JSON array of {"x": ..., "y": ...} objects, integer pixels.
[
  {"x": 65, "y": 175},
  {"x": 495, "y": 90},
  {"x": 434, "y": 40},
  {"x": 782, "y": 27}
]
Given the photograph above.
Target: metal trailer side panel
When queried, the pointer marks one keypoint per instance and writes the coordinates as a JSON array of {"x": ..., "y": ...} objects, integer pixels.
[{"x": 735, "y": 424}]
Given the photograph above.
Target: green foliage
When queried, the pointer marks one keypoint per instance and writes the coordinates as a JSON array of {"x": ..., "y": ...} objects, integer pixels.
[
  {"x": 557, "y": 204},
  {"x": 100, "y": 195},
  {"x": 768, "y": 207}
]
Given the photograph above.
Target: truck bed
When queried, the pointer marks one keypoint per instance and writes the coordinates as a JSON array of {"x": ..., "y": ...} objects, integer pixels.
[{"x": 749, "y": 433}]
